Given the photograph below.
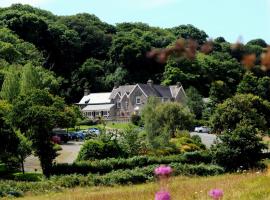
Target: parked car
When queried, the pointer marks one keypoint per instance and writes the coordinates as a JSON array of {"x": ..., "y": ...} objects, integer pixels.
[
  {"x": 202, "y": 129},
  {"x": 78, "y": 135},
  {"x": 94, "y": 130},
  {"x": 62, "y": 134}
]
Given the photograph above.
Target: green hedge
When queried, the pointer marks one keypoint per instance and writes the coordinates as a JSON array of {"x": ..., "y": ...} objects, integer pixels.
[
  {"x": 108, "y": 165},
  {"x": 134, "y": 176}
]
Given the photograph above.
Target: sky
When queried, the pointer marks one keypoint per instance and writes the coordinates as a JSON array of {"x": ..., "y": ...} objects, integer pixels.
[{"x": 232, "y": 19}]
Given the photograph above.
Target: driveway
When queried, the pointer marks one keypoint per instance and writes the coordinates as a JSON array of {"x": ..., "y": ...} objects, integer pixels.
[
  {"x": 207, "y": 139},
  {"x": 68, "y": 154}
]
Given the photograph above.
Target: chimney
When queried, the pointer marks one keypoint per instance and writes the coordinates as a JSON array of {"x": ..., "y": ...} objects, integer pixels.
[
  {"x": 86, "y": 91},
  {"x": 178, "y": 84},
  {"x": 150, "y": 82}
]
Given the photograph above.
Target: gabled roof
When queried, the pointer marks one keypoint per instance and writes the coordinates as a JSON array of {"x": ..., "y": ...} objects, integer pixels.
[
  {"x": 121, "y": 90},
  {"x": 96, "y": 98},
  {"x": 148, "y": 90}
]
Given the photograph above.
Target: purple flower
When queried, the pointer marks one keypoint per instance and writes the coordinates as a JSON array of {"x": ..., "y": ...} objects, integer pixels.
[
  {"x": 163, "y": 170},
  {"x": 162, "y": 195},
  {"x": 216, "y": 194}
]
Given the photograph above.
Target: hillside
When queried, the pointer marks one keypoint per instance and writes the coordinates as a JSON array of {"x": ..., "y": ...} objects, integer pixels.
[{"x": 82, "y": 51}]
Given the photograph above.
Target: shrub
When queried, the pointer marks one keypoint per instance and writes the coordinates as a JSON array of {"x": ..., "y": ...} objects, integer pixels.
[
  {"x": 97, "y": 149},
  {"x": 110, "y": 164},
  {"x": 31, "y": 177},
  {"x": 135, "y": 119},
  {"x": 240, "y": 148}
]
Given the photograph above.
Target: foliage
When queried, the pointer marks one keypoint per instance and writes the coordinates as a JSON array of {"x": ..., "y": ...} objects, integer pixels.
[
  {"x": 24, "y": 149},
  {"x": 162, "y": 120},
  {"x": 135, "y": 119},
  {"x": 36, "y": 114},
  {"x": 98, "y": 149},
  {"x": 241, "y": 108},
  {"x": 195, "y": 102},
  {"x": 239, "y": 149},
  {"x": 219, "y": 91},
  {"x": 109, "y": 164}
]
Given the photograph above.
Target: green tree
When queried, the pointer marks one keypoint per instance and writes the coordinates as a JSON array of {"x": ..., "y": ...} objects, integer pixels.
[
  {"x": 241, "y": 107},
  {"x": 162, "y": 120},
  {"x": 11, "y": 86},
  {"x": 189, "y": 32},
  {"x": 30, "y": 79},
  {"x": 24, "y": 149},
  {"x": 259, "y": 42},
  {"x": 240, "y": 148},
  {"x": 35, "y": 114},
  {"x": 195, "y": 102},
  {"x": 219, "y": 91},
  {"x": 9, "y": 140}
]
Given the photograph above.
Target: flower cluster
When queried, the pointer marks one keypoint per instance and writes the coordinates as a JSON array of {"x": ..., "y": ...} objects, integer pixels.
[
  {"x": 163, "y": 171},
  {"x": 162, "y": 195},
  {"x": 216, "y": 194}
]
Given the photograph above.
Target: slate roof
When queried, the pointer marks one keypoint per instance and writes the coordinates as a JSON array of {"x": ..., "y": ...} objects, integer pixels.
[{"x": 149, "y": 90}]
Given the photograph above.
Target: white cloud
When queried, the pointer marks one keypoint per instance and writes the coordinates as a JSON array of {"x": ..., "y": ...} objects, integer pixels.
[
  {"x": 5, "y": 3},
  {"x": 149, "y": 4}
]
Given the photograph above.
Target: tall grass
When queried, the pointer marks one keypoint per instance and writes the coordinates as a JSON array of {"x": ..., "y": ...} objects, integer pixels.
[{"x": 247, "y": 186}]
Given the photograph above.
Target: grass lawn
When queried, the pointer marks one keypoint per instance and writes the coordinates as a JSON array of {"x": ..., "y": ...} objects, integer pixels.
[
  {"x": 109, "y": 125},
  {"x": 250, "y": 186}
]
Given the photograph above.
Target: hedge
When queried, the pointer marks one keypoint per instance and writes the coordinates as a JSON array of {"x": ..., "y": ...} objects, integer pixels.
[
  {"x": 110, "y": 164},
  {"x": 134, "y": 176}
]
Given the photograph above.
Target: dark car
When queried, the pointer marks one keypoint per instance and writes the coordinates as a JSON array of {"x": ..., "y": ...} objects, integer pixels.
[{"x": 62, "y": 134}]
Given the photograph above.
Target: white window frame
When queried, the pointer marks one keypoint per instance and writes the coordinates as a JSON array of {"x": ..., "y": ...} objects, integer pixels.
[{"x": 138, "y": 100}]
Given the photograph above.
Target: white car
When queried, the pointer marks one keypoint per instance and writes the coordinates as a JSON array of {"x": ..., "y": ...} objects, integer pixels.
[{"x": 202, "y": 129}]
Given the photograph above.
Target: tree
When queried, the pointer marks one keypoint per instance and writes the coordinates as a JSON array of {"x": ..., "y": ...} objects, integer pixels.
[
  {"x": 259, "y": 42},
  {"x": 219, "y": 91},
  {"x": 239, "y": 148},
  {"x": 9, "y": 140},
  {"x": 24, "y": 149},
  {"x": 189, "y": 32},
  {"x": 195, "y": 102},
  {"x": 30, "y": 79},
  {"x": 241, "y": 107},
  {"x": 35, "y": 114},
  {"x": 11, "y": 86},
  {"x": 161, "y": 120}
]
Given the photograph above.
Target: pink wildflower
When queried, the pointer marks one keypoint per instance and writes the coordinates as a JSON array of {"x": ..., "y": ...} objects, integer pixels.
[
  {"x": 216, "y": 194},
  {"x": 162, "y": 195},
  {"x": 163, "y": 171}
]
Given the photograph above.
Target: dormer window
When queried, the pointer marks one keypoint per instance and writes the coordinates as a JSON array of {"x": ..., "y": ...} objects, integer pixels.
[
  {"x": 126, "y": 104},
  {"x": 138, "y": 100}
]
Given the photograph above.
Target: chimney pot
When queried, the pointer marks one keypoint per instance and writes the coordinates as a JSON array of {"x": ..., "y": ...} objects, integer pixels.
[
  {"x": 150, "y": 82},
  {"x": 178, "y": 84},
  {"x": 86, "y": 91}
]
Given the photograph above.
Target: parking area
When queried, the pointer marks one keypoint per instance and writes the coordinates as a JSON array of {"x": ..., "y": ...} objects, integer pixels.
[
  {"x": 207, "y": 139},
  {"x": 68, "y": 154}
]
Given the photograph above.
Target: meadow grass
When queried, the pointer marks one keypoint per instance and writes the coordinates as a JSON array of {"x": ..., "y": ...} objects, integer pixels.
[{"x": 249, "y": 186}]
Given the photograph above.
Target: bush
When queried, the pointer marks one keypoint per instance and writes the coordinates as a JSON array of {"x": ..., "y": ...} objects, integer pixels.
[
  {"x": 110, "y": 164},
  {"x": 30, "y": 177},
  {"x": 97, "y": 149},
  {"x": 240, "y": 148},
  {"x": 136, "y": 119},
  {"x": 86, "y": 122}
]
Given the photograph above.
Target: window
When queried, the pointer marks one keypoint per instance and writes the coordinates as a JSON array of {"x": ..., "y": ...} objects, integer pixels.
[
  {"x": 105, "y": 113},
  {"x": 126, "y": 104},
  {"x": 138, "y": 100},
  {"x": 118, "y": 104},
  {"x": 165, "y": 99}
]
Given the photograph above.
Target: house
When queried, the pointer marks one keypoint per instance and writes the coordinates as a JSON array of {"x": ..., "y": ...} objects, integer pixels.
[{"x": 125, "y": 100}]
